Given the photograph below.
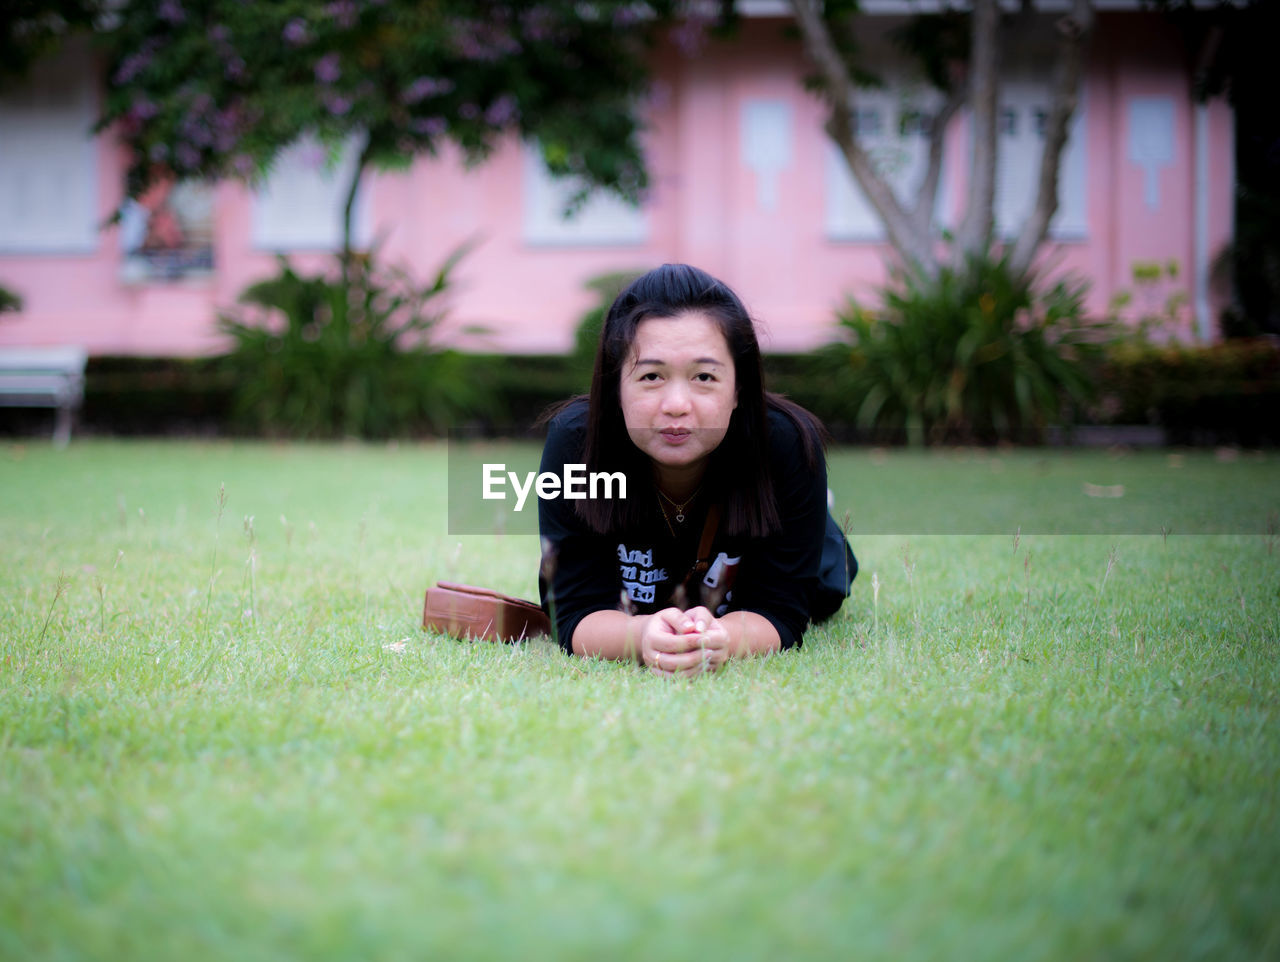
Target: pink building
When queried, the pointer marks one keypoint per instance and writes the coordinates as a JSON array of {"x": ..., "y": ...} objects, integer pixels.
[{"x": 745, "y": 185}]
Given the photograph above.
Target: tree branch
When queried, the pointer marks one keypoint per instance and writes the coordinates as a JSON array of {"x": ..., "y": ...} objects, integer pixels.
[
  {"x": 1073, "y": 32},
  {"x": 912, "y": 245},
  {"x": 922, "y": 213}
]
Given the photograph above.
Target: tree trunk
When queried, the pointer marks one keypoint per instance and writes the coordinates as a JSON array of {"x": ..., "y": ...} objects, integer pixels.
[
  {"x": 1073, "y": 32},
  {"x": 348, "y": 209},
  {"x": 975, "y": 232},
  {"x": 910, "y": 231}
]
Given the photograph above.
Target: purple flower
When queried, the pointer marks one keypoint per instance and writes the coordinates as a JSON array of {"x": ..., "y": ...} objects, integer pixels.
[
  {"x": 143, "y": 109},
  {"x": 328, "y": 68},
  {"x": 229, "y": 118},
  {"x": 344, "y": 12},
  {"x": 428, "y": 126},
  {"x": 158, "y": 153},
  {"x": 236, "y": 69},
  {"x": 537, "y": 23},
  {"x": 133, "y": 65},
  {"x": 483, "y": 42},
  {"x": 311, "y": 156},
  {"x": 225, "y": 141},
  {"x": 295, "y": 32},
  {"x": 199, "y": 134},
  {"x": 337, "y": 104},
  {"x": 226, "y": 130},
  {"x": 220, "y": 35},
  {"x": 187, "y": 156},
  {"x": 468, "y": 111},
  {"x": 660, "y": 96},
  {"x": 502, "y": 111},
  {"x": 243, "y": 165},
  {"x": 171, "y": 10},
  {"x": 690, "y": 36},
  {"x": 425, "y": 87}
]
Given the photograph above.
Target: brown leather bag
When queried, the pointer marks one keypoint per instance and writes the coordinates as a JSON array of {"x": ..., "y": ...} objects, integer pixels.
[{"x": 465, "y": 611}]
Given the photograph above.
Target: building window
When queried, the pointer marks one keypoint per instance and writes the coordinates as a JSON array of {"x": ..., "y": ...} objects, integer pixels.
[
  {"x": 915, "y": 123},
  {"x": 767, "y": 147},
  {"x": 893, "y": 126},
  {"x": 604, "y": 220},
  {"x": 867, "y": 122},
  {"x": 1026, "y": 102},
  {"x": 300, "y": 207},
  {"x": 48, "y": 159},
  {"x": 167, "y": 233}
]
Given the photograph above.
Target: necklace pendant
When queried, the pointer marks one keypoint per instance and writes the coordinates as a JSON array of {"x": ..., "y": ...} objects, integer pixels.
[{"x": 680, "y": 517}]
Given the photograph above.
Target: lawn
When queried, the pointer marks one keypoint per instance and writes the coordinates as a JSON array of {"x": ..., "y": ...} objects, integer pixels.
[{"x": 224, "y": 736}]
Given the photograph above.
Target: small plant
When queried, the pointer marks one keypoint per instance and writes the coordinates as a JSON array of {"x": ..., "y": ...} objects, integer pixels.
[
  {"x": 328, "y": 356},
  {"x": 1155, "y": 311},
  {"x": 9, "y": 301},
  {"x": 213, "y": 563},
  {"x": 59, "y": 589},
  {"x": 978, "y": 353}
]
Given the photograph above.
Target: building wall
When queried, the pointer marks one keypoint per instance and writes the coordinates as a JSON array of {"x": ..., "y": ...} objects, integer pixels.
[{"x": 742, "y": 186}]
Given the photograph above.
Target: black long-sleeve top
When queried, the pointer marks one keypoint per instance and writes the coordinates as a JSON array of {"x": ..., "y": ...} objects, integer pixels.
[{"x": 774, "y": 576}]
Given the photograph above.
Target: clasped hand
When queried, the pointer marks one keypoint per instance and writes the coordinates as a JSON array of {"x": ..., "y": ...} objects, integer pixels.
[{"x": 676, "y": 642}]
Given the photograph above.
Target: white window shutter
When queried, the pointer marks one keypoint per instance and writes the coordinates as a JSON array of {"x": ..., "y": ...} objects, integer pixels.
[
  {"x": 1025, "y": 101},
  {"x": 604, "y": 220},
  {"x": 300, "y": 206},
  {"x": 48, "y": 159}
]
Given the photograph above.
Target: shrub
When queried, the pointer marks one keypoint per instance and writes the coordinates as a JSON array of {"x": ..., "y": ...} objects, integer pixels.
[
  {"x": 606, "y": 287},
  {"x": 127, "y": 395},
  {"x": 1201, "y": 394},
  {"x": 975, "y": 354},
  {"x": 324, "y": 356}
]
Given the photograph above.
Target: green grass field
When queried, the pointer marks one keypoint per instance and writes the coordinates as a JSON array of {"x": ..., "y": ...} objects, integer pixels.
[{"x": 224, "y": 736}]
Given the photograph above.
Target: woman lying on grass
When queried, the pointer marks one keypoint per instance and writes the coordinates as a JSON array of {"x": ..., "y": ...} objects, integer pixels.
[{"x": 723, "y": 545}]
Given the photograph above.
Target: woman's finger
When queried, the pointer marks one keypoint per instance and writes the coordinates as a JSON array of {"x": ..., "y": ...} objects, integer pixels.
[
  {"x": 716, "y": 637},
  {"x": 678, "y": 661},
  {"x": 703, "y": 667},
  {"x": 675, "y": 644}
]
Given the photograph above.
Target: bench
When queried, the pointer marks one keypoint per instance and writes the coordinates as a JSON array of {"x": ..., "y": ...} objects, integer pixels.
[{"x": 44, "y": 377}]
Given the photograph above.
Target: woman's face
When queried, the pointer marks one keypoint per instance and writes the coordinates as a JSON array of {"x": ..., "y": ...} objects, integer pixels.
[{"x": 678, "y": 389}]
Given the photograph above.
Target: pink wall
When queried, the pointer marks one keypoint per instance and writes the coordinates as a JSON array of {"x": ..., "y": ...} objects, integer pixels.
[{"x": 702, "y": 209}]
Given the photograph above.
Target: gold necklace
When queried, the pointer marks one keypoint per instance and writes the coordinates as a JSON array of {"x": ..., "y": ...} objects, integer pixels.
[
  {"x": 679, "y": 507},
  {"x": 662, "y": 508}
]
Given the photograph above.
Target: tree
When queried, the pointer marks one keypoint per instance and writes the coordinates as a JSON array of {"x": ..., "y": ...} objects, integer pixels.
[
  {"x": 29, "y": 29},
  {"x": 1231, "y": 47},
  {"x": 960, "y": 56},
  {"x": 218, "y": 88}
]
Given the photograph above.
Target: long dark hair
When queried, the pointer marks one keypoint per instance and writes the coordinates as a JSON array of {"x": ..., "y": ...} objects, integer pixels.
[{"x": 736, "y": 467}]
